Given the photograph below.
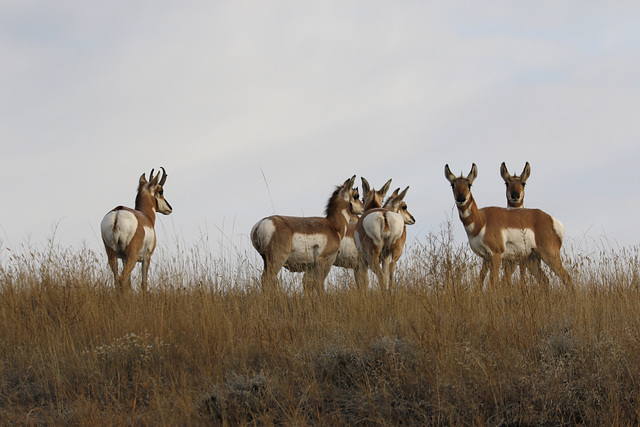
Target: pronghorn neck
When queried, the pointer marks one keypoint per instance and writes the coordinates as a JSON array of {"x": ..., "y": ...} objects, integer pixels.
[
  {"x": 340, "y": 218},
  {"x": 510, "y": 204},
  {"x": 470, "y": 216},
  {"x": 146, "y": 204}
]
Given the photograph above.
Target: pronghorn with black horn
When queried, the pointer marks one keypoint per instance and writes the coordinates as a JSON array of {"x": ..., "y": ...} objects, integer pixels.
[
  {"x": 348, "y": 256},
  {"x": 513, "y": 234},
  {"x": 306, "y": 244},
  {"x": 380, "y": 236},
  {"x": 129, "y": 234}
]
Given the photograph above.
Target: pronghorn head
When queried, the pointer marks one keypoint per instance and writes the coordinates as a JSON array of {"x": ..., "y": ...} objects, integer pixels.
[
  {"x": 396, "y": 203},
  {"x": 153, "y": 188},
  {"x": 515, "y": 185},
  {"x": 347, "y": 196},
  {"x": 373, "y": 198},
  {"x": 461, "y": 186},
  {"x": 357, "y": 207}
]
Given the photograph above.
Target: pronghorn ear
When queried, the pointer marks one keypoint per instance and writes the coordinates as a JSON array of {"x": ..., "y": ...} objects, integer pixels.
[
  {"x": 504, "y": 173},
  {"x": 366, "y": 188},
  {"x": 143, "y": 180},
  {"x": 473, "y": 174},
  {"x": 348, "y": 184},
  {"x": 525, "y": 173},
  {"x": 447, "y": 174},
  {"x": 385, "y": 188},
  {"x": 404, "y": 193}
]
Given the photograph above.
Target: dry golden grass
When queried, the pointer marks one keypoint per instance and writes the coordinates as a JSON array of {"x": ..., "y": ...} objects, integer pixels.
[{"x": 206, "y": 346}]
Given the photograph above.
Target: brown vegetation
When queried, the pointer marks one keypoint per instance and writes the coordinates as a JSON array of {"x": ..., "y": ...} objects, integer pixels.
[{"x": 206, "y": 346}]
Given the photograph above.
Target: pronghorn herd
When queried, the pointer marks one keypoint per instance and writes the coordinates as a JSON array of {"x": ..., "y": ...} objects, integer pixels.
[{"x": 357, "y": 235}]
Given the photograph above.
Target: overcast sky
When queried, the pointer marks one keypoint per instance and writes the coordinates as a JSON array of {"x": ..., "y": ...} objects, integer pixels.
[{"x": 262, "y": 107}]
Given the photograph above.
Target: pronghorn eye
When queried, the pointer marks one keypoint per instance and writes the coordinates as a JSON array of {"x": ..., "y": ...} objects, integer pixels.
[{"x": 404, "y": 208}]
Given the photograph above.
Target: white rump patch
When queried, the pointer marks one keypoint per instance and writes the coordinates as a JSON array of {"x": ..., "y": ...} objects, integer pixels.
[
  {"x": 518, "y": 242},
  {"x": 261, "y": 234},
  {"x": 374, "y": 227},
  {"x": 558, "y": 226},
  {"x": 117, "y": 229}
]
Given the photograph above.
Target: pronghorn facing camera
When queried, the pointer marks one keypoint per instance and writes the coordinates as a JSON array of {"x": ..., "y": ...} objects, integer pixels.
[
  {"x": 129, "y": 234},
  {"x": 513, "y": 234},
  {"x": 348, "y": 256},
  {"x": 307, "y": 244},
  {"x": 515, "y": 199},
  {"x": 380, "y": 236},
  {"x": 515, "y": 185}
]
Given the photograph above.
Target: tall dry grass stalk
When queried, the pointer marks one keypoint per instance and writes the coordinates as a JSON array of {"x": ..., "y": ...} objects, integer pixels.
[{"x": 207, "y": 346}]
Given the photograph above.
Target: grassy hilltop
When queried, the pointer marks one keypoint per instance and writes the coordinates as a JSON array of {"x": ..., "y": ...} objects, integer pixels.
[{"x": 206, "y": 346}]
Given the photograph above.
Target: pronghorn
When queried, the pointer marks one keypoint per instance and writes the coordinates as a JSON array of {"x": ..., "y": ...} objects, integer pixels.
[
  {"x": 513, "y": 234},
  {"x": 129, "y": 234},
  {"x": 515, "y": 185},
  {"x": 348, "y": 256},
  {"x": 307, "y": 244},
  {"x": 515, "y": 199},
  {"x": 380, "y": 236}
]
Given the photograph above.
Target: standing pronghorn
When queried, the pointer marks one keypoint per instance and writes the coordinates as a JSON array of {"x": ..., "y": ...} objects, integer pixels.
[
  {"x": 380, "y": 236},
  {"x": 515, "y": 199},
  {"x": 514, "y": 234},
  {"x": 307, "y": 244},
  {"x": 129, "y": 234},
  {"x": 348, "y": 256}
]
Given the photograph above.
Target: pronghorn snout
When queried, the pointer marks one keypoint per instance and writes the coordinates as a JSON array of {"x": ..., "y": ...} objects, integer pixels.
[
  {"x": 410, "y": 220},
  {"x": 163, "y": 206}
]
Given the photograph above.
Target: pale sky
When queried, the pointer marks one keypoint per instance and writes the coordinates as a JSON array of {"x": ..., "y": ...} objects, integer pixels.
[{"x": 262, "y": 107}]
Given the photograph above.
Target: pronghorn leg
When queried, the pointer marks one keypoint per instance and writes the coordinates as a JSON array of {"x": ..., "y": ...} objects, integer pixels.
[
  {"x": 273, "y": 263},
  {"x": 386, "y": 262},
  {"x": 523, "y": 270},
  {"x": 145, "y": 270},
  {"x": 125, "y": 277},
  {"x": 361, "y": 276},
  {"x": 269, "y": 275},
  {"x": 508, "y": 267},
  {"x": 379, "y": 274},
  {"x": 392, "y": 269},
  {"x": 113, "y": 264},
  {"x": 534, "y": 266},
  {"x": 555, "y": 264},
  {"x": 483, "y": 271},
  {"x": 323, "y": 271},
  {"x": 494, "y": 270}
]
